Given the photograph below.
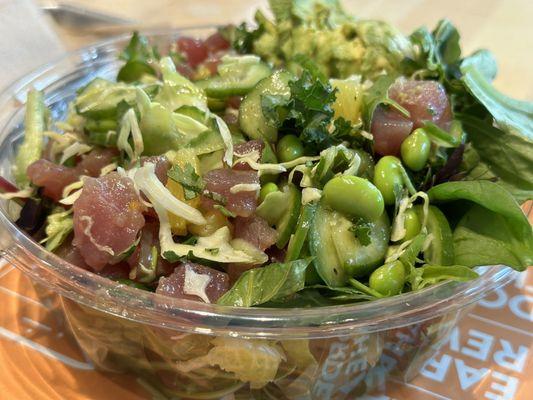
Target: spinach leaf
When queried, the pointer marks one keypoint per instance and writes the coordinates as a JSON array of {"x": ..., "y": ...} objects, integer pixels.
[
  {"x": 431, "y": 274},
  {"x": 347, "y": 293},
  {"x": 507, "y": 148},
  {"x": 138, "y": 56},
  {"x": 512, "y": 116},
  {"x": 379, "y": 94},
  {"x": 484, "y": 237},
  {"x": 439, "y": 51},
  {"x": 483, "y": 61},
  {"x": 494, "y": 231},
  {"x": 260, "y": 285},
  {"x": 308, "y": 297},
  {"x": 505, "y": 156},
  {"x": 486, "y": 194}
]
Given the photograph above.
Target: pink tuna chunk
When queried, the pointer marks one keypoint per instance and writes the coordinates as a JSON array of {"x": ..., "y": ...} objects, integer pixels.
[
  {"x": 216, "y": 283},
  {"x": 107, "y": 219}
]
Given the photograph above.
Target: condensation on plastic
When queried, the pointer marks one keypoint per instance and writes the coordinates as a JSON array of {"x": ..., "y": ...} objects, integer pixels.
[{"x": 322, "y": 353}]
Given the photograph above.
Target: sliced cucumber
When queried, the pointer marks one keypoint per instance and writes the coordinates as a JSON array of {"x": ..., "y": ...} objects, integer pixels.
[
  {"x": 208, "y": 141},
  {"x": 237, "y": 80},
  {"x": 440, "y": 251},
  {"x": 99, "y": 99},
  {"x": 322, "y": 247},
  {"x": 101, "y": 125},
  {"x": 104, "y": 139},
  {"x": 338, "y": 253},
  {"x": 216, "y": 104},
  {"x": 286, "y": 224},
  {"x": 251, "y": 118},
  {"x": 296, "y": 244}
]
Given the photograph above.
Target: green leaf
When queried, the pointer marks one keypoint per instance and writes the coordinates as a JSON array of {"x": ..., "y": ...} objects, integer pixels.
[
  {"x": 447, "y": 50},
  {"x": 333, "y": 160},
  {"x": 362, "y": 288},
  {"x": 512, "y": 116},
  {"x": 59, "y": 224},
  {"x": 507, "y": 157},
  {"x": 138, "y": 56},
  {"x": 494, "y": 231},
  {"x": 486, "y": 194},
  {"x": 440, "y": 51},
  {"x": 484, "y": 237},
  {"x": 347, "y": 293},
  {"x": 409, "y": 259},
  {"x": 362, "y": 230},
  {"x": 432, "y": 274},
  {"x": 260, "y": 285},
  {"x": 483, "y": 61},
  {"x": 307, "y": 297},
  {"x": 379, "y": 94},
  {"x": 187, "y": 177}
]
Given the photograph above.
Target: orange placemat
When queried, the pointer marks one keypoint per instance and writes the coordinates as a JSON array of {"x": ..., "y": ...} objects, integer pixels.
[{"x": 488, "y": 356}]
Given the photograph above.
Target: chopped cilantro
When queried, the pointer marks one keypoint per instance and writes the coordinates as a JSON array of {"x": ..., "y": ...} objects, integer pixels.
[
  {"x": 309, "y": 113},
  {"x": 224, "y": 211},
  {"x": 192, "y": 183},
  {"x": 361, "y": 230}
]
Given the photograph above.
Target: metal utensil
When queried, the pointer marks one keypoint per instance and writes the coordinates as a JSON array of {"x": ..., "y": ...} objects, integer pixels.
[{"x": 83, "y": 19}]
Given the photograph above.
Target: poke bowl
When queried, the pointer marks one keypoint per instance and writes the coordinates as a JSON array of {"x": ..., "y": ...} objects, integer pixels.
[{"x": 183, "y": 348}]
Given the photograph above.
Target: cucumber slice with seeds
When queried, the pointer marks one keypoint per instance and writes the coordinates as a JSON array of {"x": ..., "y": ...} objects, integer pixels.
[
  {"x": 251, "y": 118},
  {"x": 440, "y": 251},
  {"x": 237, "y": 81}
]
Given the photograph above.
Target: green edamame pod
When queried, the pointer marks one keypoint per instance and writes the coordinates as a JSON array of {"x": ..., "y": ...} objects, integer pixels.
[
  {"x": 267, "y": 188},
  {"x": 354, "y": 196},
  {"x": 415, "y": 149},
  {"x": 390, "y": 177},
  {"x": 388, "y": 279}
]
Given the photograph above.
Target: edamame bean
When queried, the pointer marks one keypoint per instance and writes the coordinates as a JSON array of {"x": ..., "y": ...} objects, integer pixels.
[
  {"x": 354, "y": 196},
  {"x": 267, "y": 188},
  {"x": 412, "y": 224},
  {"x": 388, "y": 279},
  {"x": 415, "y": 149},
  {"x": 388, "y": 177},
  {"x": 289, "y": 148}
]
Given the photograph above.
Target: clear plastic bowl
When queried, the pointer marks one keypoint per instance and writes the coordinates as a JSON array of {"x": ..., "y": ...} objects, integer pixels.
[{"x": 308, "y": 353}]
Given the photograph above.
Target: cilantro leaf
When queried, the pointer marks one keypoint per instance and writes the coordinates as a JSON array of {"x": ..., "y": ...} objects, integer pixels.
[
  {"x": 192, "y": 183},
  {"x": 138, "y": 55},
  {"x": 362, "y": 230},
  {"x": 224, "y": 210}
]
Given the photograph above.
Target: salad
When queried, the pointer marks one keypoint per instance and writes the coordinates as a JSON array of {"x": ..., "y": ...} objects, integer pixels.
[{"x": 311, "y": 159}]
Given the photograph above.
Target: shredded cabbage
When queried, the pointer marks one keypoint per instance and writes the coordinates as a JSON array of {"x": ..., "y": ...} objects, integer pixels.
[
  {"x": 75, "y": 149},
  {"x": 148, "y": 182},
  {"x": 226, "y": 137}
]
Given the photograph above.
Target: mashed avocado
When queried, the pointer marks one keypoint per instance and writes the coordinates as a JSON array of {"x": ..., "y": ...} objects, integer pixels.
[{"x": 339, "y": 44}]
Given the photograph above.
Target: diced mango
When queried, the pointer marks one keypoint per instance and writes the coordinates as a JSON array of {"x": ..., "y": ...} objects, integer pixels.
[
  {"x": 181, "y": 157},
  {"x": 349, "y": 99}
]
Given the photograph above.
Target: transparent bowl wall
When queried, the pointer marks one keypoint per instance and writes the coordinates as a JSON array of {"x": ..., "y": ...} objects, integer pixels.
[{"x": 313, "y": 353}]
